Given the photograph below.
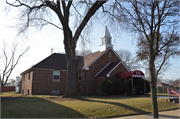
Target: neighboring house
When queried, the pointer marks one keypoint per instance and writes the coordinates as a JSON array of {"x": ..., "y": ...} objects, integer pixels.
[
  {"x": 162, "y": 87},
  {"x": 49, "y": 75},
  {"x": 18, "y": 85},
  {"x": 161, "y": 84}
]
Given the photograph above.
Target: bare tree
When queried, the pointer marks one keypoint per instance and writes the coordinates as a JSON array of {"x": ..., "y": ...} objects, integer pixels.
[
  {"x": 168, "y": 47},
  {"x": 38, "y": 13},
  {"x": 10, "y": 57},
  {"x": 83, "y": 52},
  {"x": 128, "y": 58},
  {"x": 148, "y": 18}
]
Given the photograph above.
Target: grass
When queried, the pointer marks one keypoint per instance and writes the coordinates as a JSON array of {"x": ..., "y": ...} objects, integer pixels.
[{"x": 50, "y": 106}]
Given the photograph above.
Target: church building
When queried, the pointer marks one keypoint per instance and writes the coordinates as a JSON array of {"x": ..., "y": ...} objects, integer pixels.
[{"x": 49, "y": 75}]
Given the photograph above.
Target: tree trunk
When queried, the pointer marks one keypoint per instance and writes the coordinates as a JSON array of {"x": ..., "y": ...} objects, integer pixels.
[
  {"x": 70, "y": 45},
  {"x": 71, "y": 91},
  {"x": 153, "y": 90}
]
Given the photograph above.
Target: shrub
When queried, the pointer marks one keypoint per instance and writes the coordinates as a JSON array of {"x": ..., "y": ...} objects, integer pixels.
[
  {"x": 138, "y": 85},
  {"x": 113, "y": 86}
]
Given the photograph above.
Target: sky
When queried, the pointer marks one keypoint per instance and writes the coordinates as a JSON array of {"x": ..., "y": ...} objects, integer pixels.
[{"x": 42, "y": 42}]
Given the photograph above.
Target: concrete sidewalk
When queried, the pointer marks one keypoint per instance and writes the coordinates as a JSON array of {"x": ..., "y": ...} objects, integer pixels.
[{"x": 172, "y": 114}]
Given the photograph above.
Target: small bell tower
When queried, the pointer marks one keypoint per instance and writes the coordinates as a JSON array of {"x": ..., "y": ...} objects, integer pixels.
[{"x": 106, "y": 40}]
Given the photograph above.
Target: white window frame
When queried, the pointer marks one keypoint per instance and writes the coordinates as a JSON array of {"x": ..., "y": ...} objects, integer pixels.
[
  {"x": 55, "y": 72},
  {"x": 79, "y": 76},
  {"x": 55, "y": 90}
]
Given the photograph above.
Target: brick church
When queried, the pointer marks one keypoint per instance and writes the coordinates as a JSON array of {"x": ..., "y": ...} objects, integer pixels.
[{"x": 49, "y": 75}]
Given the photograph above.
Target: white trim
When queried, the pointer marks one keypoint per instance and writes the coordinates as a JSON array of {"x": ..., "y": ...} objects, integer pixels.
[
  {"x": 122, "y": 61},
  {"x": 87, "y": 67},
  {"x": 59, "y": 73},
  {"x": 108, "y": 75},
  {"x": 102, "y": 69},
  {"x": 138, "y": 76},
  {"x": 55, "y": 90}
]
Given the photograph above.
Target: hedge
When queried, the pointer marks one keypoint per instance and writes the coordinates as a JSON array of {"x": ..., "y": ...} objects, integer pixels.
[{"x": 113, "y": 86}]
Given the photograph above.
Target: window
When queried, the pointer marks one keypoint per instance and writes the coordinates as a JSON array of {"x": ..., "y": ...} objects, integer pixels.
[
  {"x": 29, "y": 75},
  {"x": 109, "y": 40},
  {"x": 55, "y": 92},
  {"x": 23, "y": 77},
  {"x": 79, "y": 76},
  {"x": 103, "y": 41},
  {"x": 109, "y": 54},
  {"x": 56, "y": 75}
]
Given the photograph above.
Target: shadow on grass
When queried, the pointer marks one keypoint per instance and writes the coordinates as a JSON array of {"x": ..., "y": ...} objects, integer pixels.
[
  {"x": 139, "y": 111},
  {"x": 33, "y": 107}
]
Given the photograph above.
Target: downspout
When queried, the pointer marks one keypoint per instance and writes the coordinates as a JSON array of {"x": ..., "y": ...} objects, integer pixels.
[
  {"x": 144, "y": 87},
  {"x": 84, "y": 80},
  {"x": 32, "y": 82}
]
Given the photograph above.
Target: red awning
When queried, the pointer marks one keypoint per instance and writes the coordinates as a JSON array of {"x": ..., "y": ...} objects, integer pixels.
[{"x": 137, "y": 74}]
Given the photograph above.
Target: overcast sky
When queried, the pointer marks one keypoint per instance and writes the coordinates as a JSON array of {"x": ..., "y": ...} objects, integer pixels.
[{"x": 40, "y": 44}]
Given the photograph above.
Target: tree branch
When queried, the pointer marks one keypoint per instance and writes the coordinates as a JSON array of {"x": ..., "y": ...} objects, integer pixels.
[{"x": 90, "y": 13}]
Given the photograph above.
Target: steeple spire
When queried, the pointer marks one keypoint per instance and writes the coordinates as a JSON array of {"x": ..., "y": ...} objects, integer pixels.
[
  {"x": 106, "y": 33},
  {"x": 106, "y": 40}
]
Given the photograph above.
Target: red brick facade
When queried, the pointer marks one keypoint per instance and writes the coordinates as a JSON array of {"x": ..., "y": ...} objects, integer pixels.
[{"x": 40, "y": 80}]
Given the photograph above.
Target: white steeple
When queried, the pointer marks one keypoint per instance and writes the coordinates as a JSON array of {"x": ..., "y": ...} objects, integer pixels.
[{"x": 106, "y": 40}]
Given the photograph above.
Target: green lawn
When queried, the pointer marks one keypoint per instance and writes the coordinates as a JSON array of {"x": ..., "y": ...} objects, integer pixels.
[{"x": 49, "y": 106}]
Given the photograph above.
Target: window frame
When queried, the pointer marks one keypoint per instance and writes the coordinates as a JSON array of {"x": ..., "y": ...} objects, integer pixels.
[
  {"x": 57, "y": 93},
  {"x": 56, "y": 80},
  {"x": 79, "y": 76}
]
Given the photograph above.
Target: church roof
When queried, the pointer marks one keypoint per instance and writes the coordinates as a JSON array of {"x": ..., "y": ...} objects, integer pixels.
[
  {"x": 107, "y": 69},
  {"x": 58, "y": 61},
  {"x": 106, "y": 33}
]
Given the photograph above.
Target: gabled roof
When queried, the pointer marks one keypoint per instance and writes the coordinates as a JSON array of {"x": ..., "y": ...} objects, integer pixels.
[
  {"x": 54, "y": 61},
  {"x": 58, "y": 61},
  {"x": 107, "y": 69},
  {"x": 162, "y": 84},
  {"x": 88, "y": 59},
  {"x": 97, "y": 56}
]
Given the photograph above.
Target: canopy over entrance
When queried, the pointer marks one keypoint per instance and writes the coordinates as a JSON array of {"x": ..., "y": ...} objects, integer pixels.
[{"x": 135, "y": 74}]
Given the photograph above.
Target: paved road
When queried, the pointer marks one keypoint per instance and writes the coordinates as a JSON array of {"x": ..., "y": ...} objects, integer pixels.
[{"x": 172, "y": 114}]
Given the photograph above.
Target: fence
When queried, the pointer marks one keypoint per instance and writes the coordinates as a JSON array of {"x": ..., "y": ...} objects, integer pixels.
[
  {"x": 162, "y": 89},
  {"x": 7, "y": 88}
]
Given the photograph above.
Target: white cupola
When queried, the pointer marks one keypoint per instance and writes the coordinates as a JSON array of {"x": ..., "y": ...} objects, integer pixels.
[{"x": 106, "y": 40}]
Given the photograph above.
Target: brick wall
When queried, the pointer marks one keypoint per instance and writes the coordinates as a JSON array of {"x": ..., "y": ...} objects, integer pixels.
[
  {"x": 91, "y": 81},
  {"x": 43, "y": 82},
  {"x": 119, "y": 68},
  {"x": 27, "y": 83},
  {"x": 99, "y": 82}
]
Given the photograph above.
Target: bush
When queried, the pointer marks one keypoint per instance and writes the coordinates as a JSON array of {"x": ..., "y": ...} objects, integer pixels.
[
  {"x": 113, "y": 86},
  {"x": 139, "y": 86}
]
